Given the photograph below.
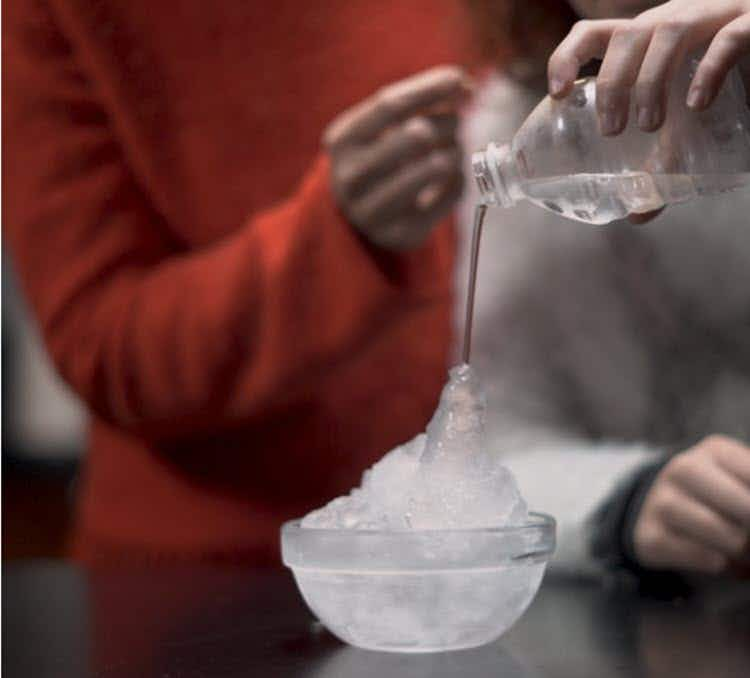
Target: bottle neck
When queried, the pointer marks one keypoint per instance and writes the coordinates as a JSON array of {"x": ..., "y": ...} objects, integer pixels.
[{"x": 497, "y": 176}]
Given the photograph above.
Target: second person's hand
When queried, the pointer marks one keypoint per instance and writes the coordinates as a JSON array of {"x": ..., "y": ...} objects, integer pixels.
[
  {"x": 395, "y": 160},
  {"x": 696, "y": 516}
]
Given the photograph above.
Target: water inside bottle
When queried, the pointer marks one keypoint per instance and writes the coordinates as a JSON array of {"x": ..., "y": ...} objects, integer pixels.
[
  {"x": 596, "y": 198},
  {"x": 602, "y": 198}
]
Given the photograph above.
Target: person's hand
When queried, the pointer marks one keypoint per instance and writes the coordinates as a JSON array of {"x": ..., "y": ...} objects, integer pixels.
[
  {"x": 641, "y": 55},
  {"x": 696, "y": 516},
  {"x": 396, "y": 165}
]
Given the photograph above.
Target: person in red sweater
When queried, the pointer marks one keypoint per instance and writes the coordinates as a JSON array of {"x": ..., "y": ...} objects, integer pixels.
[{"x": 252, "y": 319}]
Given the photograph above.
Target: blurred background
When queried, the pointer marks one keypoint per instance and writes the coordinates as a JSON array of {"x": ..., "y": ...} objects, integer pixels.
[{"x": 43, "y": 436}]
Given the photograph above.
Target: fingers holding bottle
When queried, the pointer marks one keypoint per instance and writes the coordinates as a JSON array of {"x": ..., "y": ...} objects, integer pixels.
[
  {"x": 640, "y": 57},
  {"x": 728, "y": 46}
]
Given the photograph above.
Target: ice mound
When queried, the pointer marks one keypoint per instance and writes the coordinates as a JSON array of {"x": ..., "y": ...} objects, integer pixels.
[{"x": 442, "y": 479}]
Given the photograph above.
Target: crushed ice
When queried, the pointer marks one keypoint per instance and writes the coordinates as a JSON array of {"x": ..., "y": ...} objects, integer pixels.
[{"x": 444, "y": 478}]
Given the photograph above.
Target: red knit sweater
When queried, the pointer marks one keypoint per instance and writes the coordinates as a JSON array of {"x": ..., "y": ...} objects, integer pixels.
[{"x": 245, "y": 356}]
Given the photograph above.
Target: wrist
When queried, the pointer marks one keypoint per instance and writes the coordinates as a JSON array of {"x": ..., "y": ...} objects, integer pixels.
[
  {"x": 613, "y": 537},
  {"x": 632, "y": 513}
]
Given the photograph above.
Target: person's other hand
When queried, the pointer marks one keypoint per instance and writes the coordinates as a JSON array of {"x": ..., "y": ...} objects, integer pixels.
[
  {"x": 396, "y": 165},
  {"x": 641, "y": 55},
  {"x": 696, "y": 516}
]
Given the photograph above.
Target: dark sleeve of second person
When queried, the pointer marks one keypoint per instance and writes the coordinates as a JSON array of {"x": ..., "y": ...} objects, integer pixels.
[{"x": 157, "y": 338}]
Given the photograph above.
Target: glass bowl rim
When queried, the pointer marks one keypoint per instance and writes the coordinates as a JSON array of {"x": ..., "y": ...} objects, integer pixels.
[
  {"x": 537, "y": 520},
  {"x": 310, "y": 548}
]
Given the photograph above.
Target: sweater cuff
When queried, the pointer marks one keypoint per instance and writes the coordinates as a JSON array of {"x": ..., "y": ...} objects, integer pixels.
[
  {"x": 641, "y": 484},
  {"x": 612, "y": 540}
]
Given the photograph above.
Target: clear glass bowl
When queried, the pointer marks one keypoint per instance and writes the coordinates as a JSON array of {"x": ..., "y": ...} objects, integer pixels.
[{"x": 419, "y": 590}]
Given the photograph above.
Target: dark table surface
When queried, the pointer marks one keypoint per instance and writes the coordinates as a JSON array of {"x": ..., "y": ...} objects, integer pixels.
[{"x": 188, "y": 623}]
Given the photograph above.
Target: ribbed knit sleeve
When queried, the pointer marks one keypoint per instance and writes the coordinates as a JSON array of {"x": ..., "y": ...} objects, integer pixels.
[{"x": 158, "y": 339}]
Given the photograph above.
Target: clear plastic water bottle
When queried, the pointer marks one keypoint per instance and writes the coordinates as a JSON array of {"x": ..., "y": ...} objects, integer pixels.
[{"x": 559, "y": 160}]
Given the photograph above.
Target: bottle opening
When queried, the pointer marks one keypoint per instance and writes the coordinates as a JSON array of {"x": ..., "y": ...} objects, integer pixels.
[
  {"x": 495, "y": 175},
  {"x": 483, "y": 176}
]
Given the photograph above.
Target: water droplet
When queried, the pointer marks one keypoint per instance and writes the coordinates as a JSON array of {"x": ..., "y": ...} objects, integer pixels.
[{"x": 578, "y": 97}]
